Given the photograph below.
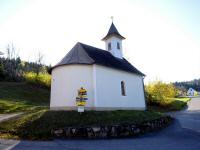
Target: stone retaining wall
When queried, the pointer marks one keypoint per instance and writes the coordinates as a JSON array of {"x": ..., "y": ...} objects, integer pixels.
[{"x": 111, "y": 131}]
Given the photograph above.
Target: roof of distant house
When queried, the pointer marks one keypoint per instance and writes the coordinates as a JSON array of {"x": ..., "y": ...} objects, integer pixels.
[
  {"x": 191, "y": 89},
  {"x": 85, "y": 54}
]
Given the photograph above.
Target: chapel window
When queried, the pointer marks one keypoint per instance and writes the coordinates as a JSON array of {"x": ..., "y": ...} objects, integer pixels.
[
  {"x": 109, "y": 46},
  {"x": 123, "y": 88},
  {"x": 118, "y": 45}
]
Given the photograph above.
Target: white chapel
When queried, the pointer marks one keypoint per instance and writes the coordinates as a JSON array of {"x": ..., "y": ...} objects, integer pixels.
[{"x": 112, "y": 83}]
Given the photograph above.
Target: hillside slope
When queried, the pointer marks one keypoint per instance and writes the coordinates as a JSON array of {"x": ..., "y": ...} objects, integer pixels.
[{"x": 18, "y": 96}]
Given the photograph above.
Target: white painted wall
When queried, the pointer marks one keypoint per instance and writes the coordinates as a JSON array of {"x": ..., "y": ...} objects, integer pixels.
[
  {"x": 103, "y": 85},
  {"x": 66, "y": 80},
  {"x": 114, "y": 51},
  {"x": 108, "y": 89}
]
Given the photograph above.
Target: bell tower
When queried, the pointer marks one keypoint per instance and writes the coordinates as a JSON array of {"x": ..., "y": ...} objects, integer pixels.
[{"x": 113, "y": 42}]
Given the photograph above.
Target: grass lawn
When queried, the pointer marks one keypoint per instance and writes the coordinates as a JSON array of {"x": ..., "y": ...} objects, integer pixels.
[
  {"x": 17, "y": 97},
  {"x": 175, "y": 104},
  {"x": 184, "y": 99},
  {"x": 38, "y": 124},
  {"x": 38, "y": 121}
]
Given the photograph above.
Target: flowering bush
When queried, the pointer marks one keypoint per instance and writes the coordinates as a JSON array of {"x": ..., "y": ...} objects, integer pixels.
[
  {"x": 40, "y": 79},
  {"x": 160, "y": 93}
]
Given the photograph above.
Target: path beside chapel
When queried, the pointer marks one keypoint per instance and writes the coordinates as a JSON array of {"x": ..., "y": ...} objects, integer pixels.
[{"x": 4, "y": 117}]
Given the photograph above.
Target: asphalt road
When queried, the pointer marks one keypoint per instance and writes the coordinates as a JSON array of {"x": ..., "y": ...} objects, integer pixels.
[{"x": 183, "y": 134}]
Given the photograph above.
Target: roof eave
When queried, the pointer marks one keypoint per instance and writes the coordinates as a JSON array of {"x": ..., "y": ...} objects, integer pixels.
[
  {"x": 108, "y": 36},
  {"x": 68, "y": 64}
]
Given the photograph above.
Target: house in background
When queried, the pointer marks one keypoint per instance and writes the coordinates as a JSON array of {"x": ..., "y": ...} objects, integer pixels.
[
  {"x": 192, "y": 92},
  {"x": 112, "y": 83},
  {"x": 1, "y": 53}
]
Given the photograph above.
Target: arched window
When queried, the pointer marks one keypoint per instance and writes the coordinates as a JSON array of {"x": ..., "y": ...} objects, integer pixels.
[
  {"x": 118, "y": 45},
  {"x": 109, "y": 46},
  {"x": 123, "y": 88}
]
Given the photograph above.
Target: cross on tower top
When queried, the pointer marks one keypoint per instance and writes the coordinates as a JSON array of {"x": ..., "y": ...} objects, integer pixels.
[{"x": 112, "y": 18}]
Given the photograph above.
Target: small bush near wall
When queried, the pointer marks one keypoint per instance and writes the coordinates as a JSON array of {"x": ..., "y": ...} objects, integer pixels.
[{"x": 42, "y": 80}]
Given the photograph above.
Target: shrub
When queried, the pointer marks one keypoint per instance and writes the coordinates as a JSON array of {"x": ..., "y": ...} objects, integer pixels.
[
  {"x": 43, "y": 80},
  {"x": 160, "y": 93}
]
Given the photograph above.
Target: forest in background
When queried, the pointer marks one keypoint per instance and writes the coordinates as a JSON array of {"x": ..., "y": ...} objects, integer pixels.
[
  {"x": 185, "y": 85},
  {"x": 13, "y": 69}
]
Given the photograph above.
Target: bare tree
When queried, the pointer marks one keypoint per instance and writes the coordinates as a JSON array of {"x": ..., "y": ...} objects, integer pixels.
[
  {"x": 11, "y": 52},
  {"x": 8, "y": 51},
  {"x": 39, "y": 61},
  {"x": 12, "y": 64}
]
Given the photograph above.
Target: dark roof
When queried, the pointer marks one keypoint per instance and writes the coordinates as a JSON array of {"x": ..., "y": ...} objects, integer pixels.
[
  {"x": 85, "y": 54},
  {"x": 113, "y": 31}
]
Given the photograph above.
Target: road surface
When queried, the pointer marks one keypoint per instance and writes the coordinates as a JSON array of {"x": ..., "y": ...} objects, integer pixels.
[{"x": 183, "y": 134}]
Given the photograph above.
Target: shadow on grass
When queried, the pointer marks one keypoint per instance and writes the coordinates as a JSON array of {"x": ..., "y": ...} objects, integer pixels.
[
  {"x": 177, "y": 105},
  {"x": 17, "y": 97}
]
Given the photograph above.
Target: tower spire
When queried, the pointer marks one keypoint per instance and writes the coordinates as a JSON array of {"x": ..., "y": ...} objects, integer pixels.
[
  {"x": 113, "y": 32},
  {"x": 113, "y": 41}
]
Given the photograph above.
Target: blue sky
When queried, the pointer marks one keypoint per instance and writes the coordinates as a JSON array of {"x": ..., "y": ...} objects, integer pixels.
[
  {"x": 9, "y": 8},
  {"x": 183, "y": 12},
  {"x": 162, "y": 36}
]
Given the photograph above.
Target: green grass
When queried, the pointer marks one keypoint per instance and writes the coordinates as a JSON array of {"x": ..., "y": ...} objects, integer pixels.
[
  {"x": 17, "y": 97},
  {"x": 184, "y": 99},
  {"x": 37, "y": 120},
  {"x": 175, "y": 104},
  {"x": 38, "y": 124}
]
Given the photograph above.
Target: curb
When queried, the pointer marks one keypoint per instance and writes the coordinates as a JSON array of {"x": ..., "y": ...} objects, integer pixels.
[{"x": 111, "y": 131}]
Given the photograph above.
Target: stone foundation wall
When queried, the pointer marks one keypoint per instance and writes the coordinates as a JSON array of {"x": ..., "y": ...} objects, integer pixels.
[{"x": 111, "y": 131}]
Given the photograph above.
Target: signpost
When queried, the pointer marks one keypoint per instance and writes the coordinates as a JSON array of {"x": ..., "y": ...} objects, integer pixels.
[{"x": 81, "y": 99}]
